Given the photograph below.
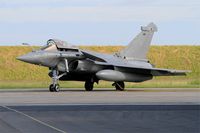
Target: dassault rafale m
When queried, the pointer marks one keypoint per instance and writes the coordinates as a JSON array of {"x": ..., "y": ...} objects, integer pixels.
[{"x": 69, "y": 63}]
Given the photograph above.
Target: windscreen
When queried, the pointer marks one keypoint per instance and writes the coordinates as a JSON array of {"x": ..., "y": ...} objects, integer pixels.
[{"x": 51, "y": 45}]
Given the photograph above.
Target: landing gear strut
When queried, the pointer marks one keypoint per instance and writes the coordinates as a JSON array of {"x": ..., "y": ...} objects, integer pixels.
[
  {"x": 55, "y": 87},
  {"x": 89, "y": 85},
  {"x": 119, "y": 85}
]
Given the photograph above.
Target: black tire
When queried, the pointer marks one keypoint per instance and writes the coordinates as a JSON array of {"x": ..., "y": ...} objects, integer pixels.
[
  {"x": 55, "y": 88},
  {"x": 51, "y": 89},
  {"x": 89, "y": 86},
  {"x": 119, "y": 86}
]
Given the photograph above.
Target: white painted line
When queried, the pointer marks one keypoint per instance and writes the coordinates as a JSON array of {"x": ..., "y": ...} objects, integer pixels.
[{"x": 30, "y": 117}]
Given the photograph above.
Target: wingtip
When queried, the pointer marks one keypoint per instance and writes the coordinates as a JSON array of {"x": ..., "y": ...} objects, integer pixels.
[{"x": 182, "y": 72}]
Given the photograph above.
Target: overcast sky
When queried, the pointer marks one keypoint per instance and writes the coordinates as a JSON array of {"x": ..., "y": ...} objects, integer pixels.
[{"x": 98, "y": 22}]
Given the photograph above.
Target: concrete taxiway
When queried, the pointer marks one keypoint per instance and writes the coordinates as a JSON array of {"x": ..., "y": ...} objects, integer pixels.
[{"x": 107, "y": 111}]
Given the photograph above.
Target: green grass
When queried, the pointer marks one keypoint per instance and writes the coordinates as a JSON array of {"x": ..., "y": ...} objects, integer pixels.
[{"x": 16, "y": 74}]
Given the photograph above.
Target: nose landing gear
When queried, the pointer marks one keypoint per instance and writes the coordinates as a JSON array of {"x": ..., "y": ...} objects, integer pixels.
[{"x": 55, "y": 87}]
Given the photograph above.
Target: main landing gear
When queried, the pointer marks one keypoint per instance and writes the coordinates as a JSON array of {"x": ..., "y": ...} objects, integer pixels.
[
  {"x": 89, "y": 85},
  {"x": 54, "y": 87},
  {"x": 119, "y": 85}
]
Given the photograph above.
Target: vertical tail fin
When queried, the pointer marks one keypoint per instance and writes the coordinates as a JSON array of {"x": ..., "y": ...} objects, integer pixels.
[{"x": 139, "y": 46}]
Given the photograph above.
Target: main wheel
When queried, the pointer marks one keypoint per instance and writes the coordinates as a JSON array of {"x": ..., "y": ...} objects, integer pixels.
[
  {"x": 119, "y": 86},
  {"x": 54, "y": 88},
  {"x": 89, "y": 86}
]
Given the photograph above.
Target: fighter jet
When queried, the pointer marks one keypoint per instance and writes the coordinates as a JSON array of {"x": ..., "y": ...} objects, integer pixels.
[{"x": 69, "y": 63}]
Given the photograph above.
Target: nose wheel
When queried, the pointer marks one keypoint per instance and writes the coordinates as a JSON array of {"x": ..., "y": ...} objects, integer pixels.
[{"x": 54, "y": 88}]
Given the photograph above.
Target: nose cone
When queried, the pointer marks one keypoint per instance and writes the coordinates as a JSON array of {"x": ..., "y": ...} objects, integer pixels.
[
  {"x": 24, "y": 58},
  {"x": 29, "y": 58}
]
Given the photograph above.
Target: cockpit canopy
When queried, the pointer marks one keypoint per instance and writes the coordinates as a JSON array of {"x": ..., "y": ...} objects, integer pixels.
[
  {"x": 58, "y": 43},
  {"x": 55, "y": 44}
]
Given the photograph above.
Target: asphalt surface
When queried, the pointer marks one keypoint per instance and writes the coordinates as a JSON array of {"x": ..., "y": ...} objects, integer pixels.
[
  {"x": 76, "y": 111},
  {"x": 104, "y": 96}
]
